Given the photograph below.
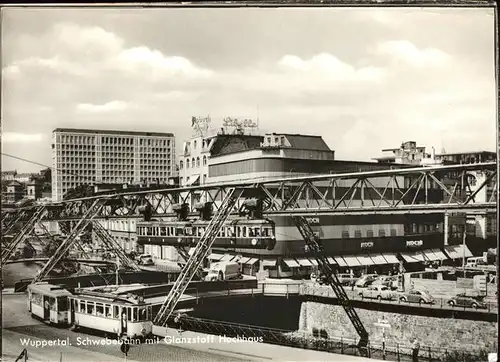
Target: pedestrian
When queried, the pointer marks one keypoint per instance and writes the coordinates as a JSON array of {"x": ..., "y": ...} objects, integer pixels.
[
  {"x": 415, "y": 349},
  {"x": 178, "y": 323}
]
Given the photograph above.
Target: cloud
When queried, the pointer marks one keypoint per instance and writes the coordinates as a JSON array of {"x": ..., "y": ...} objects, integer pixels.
[
  {"x": 92, "y": 51},
  {"x": 327, "y": 65},
  {"x": 407, "y": 52},
  {"x": 14, "y": 137},
  {"x": 112, "y": 106}
]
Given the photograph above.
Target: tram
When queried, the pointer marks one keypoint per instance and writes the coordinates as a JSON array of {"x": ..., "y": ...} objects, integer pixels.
[
  {"x": 49, "y": 303},
  {"x": 122, "y": 316},
  {"x": 125, "y": 316}
]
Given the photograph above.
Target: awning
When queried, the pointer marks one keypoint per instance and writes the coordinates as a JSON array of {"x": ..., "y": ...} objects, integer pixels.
[
  {"x": 351, "y": 261},
  {"x": 236, "y": 258},
  {"x": 269, "y": 262},
  {"x": 192, "y": 180},
  {"x": 215, "y": 256},
  {"x": 340, "y": 261},
  {"x": 429, "y": 254},
  {"x": 305, "y": 262},
  {"x": 291, "y": 263},
  {"x": 419, "y": 256},
  {"x": 410, "y": 258},
  {"x": 439, "y": 254},
  {"x": 378, "y": 259},
  {"x": 391, "y": 258},
  {"x": 458, "y": 251},
  {"x": 331, "y": 260},
  {"x": 227, "y": 257},
  {"x": 364, "y": 260},
  {"x": 313, "y": 262},
  {"x": 251, "y": 261},
  {"x": 244, "y": 260}
]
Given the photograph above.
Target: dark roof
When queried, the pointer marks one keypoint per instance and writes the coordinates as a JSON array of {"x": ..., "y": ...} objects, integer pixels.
[
  {"x": 14, "y": 183},
  {"x": 123, "y": 133},
  {"x": 227, "y": 144},
  {"x": 306, "y": 142}
]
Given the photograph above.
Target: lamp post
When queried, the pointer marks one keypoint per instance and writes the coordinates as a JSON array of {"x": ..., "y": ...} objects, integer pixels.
[{"x": 382, "y": 323}]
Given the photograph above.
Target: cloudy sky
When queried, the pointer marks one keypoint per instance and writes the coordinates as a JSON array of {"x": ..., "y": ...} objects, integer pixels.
[{"x": 364, "y": 79}]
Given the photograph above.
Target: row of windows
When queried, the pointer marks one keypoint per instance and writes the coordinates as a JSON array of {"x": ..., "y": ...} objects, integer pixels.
[
  {"x": 226, "y": 231},
  {"x": 195, "y": 162},
  {"x": 77, "y": 147},
  {"x": 133, "y": 314}
]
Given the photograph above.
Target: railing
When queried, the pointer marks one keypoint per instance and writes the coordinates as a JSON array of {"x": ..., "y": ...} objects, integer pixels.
[
  {"x": 321, "y": 342},
  {"x": 439, "y": 303}
]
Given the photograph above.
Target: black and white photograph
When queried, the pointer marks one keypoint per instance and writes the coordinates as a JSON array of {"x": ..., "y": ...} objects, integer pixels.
[{"x": 226, "y": 181}]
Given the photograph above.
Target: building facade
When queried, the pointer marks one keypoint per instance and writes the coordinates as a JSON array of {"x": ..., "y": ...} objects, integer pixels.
[{"x": 84, "y": 156}]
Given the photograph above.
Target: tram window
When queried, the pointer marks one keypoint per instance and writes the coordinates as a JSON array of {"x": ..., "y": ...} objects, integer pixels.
[
  {"x": 357, "y": 234},
  {"x": 244, "y": 232},
  {"x": 149, "y": 231},
  {"x": 251, "y": 232},
  {"x": 90, "y": 307},
  {"x": 62, "y": 303},
  {"x": 82, "y": 306},
  {"x": 393, "y": 232},
  {"x": 188, "y": 231},
  {"x": 107, "y": 311},
  {"x": 52, "y": 303},
  {"x": 116, "y": 312},
  {"x": 265, "y": 231},
  {"x": 230, "y": 232},
  {"x": 179, "y": 232},
  {"x": 369, "y": 233},
  {"x": 223, "y": 232},
  {"x": 99, "y": 309},
  {"x": 163, "y": 231},
  {"x": 238, "y": 231},
  {"x": 257, "y": 232},
  {"x": 381, "y": 233}
]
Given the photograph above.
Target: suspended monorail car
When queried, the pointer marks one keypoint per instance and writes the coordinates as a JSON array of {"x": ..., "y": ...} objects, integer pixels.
[{"x": 249, "y": 230}]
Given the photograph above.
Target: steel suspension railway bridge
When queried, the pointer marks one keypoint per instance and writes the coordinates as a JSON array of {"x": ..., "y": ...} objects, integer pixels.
[{"x": 438, "y": 190}]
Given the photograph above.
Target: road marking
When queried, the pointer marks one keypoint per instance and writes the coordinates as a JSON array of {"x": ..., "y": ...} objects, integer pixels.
[{"x": 239, "y": 353}]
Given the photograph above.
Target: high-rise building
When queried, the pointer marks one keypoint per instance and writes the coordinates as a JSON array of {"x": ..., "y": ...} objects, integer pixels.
[{"x": 85, "y": 156}]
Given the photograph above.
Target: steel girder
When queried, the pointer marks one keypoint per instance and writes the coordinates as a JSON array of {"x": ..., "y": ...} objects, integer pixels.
[{"x": 422, "y": 189}]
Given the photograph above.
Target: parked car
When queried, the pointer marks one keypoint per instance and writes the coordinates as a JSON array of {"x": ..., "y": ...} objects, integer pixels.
[
  {"x": 366, "y": 280},
  {"x": 417, "y": 296},
  {"x": 390, "y": 281},
  {"x": 377, "y": 292},
  {"x": 461, "y": 300},
  {"x": 145, "y": 259},
  {"x": 347, "y": 279}
]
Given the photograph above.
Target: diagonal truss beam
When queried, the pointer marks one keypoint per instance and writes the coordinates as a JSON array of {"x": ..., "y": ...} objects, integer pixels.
[
  {"x": 200, "y": 253},
  {"x": 91, "y": 212}
]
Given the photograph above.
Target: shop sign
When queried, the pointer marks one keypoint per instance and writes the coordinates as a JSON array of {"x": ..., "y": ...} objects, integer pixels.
[
  {"x": 367, "y": 245},
  {"x": 313, "y": 220},
  {"x": 414, "y": 243}
]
